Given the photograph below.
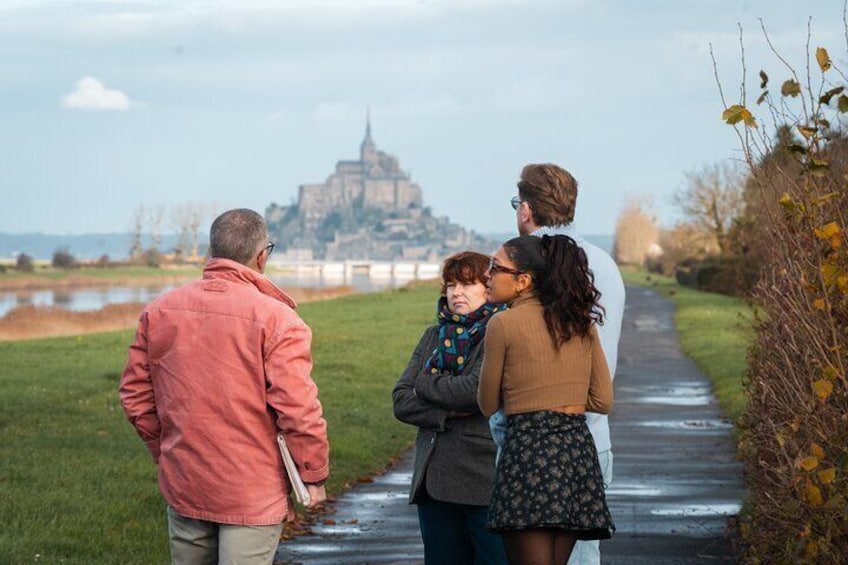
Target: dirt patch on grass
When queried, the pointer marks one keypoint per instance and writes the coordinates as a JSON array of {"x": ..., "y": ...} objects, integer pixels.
[{"x": 30, "y": 322}]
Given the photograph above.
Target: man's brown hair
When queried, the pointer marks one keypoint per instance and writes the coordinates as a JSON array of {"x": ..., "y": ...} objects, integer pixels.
[{"x": 550, "y": 191}]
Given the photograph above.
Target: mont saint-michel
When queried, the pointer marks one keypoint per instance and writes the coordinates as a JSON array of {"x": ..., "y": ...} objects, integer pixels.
[{"x": 367, "y": 209}]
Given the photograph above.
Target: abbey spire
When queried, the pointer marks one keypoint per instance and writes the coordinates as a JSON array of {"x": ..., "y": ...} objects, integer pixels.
[{"x": 368, "y": 149}]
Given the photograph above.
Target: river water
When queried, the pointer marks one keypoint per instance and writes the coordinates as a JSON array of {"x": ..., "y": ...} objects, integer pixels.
[{"x": 89, "y": 299}]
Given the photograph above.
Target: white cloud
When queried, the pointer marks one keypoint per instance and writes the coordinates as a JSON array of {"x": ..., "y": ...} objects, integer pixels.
[{"x": 91, "y": 94}]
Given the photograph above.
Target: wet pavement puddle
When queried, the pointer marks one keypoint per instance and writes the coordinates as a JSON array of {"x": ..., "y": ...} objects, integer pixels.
[
  {"x": 397, "y": 479},
  {"x": 650, "y": 324},
  {"x": 626, "y": 489},
  {"x": 694, "y": 510},
  {"x": 680, "y": 395},
  {"x": 676, "y": 400},
  {"x": 379, "y": 497},
  {"x": 699, "y": 425}
]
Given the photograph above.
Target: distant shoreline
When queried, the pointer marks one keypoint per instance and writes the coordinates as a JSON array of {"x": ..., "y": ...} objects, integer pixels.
[{"x": 90, "y": 247}]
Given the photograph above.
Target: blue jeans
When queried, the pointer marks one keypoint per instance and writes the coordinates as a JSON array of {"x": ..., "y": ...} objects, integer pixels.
[{"x": 455, "y": 534}]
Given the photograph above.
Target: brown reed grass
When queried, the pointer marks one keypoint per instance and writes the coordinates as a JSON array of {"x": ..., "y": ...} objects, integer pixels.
[{"x": 84, "y": 281}]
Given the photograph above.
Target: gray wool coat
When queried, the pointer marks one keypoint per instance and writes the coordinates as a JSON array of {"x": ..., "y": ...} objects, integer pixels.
[{"x": 454, "y": 456}]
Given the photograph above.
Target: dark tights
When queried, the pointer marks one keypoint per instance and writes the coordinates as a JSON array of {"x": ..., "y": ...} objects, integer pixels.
[{"x": 543, "y": 546}]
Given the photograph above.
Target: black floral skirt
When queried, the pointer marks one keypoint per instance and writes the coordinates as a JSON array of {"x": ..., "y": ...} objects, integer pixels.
[{"x": 549, "y": 477}]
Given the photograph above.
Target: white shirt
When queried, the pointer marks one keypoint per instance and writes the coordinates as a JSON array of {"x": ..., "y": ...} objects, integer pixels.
[{"x": 611, "y": 286}]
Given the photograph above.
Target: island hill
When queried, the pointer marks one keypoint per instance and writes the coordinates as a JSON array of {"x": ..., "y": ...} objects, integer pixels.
[{"x": 367, "y": 209}]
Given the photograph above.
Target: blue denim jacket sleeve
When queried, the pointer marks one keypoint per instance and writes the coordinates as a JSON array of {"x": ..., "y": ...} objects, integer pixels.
[{"x": 498, "y": 425}]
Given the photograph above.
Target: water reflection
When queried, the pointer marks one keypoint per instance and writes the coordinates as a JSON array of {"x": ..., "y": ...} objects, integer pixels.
[
  {"x": 62, "y": 298},
  {"x": 79, "y": 300},
  {"x": 89, "y": 299}
]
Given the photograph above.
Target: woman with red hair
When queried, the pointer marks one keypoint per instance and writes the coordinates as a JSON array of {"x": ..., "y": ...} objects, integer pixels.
[{"x": 454, "y": 452}]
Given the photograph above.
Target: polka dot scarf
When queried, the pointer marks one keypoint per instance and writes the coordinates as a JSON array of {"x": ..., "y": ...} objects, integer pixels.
[{"x": 458, "y": 333}]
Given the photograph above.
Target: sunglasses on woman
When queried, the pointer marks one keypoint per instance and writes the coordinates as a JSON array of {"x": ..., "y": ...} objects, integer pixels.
[{"x": 496, "y": 268}]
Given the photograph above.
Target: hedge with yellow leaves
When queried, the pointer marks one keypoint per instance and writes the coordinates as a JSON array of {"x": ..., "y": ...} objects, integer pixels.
[{"x": 794, "y": 433}]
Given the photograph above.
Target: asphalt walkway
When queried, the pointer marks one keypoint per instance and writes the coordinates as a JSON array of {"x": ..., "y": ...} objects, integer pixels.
[{"x": 676, "y": 479}]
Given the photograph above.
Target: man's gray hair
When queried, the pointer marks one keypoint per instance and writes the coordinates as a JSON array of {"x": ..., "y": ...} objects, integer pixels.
[{"x": 239, "y": 235}]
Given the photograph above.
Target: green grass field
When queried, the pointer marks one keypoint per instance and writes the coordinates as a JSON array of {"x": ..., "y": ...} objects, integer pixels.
[
  {"x": 715, "y": 331},
  {"x": 76, "y": 482},
  {"x": 78, "y": 486}
]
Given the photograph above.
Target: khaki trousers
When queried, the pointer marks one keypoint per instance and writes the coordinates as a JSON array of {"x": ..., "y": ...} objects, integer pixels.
[{"x": 196, "y": 542}]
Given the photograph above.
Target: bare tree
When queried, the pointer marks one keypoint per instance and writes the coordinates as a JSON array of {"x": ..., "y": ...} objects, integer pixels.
[
  {"x": 180, "y": 224},
  {"x": 137, "y": 227},
  {"x": 155, "y": 216},
  {"x": 680, "y": 244},
  {"x": 712, "y": 200},
  {"x": 186, "y": 221},
  {"x": 197, "y": 213},
  {"x": 636, "y": 233}
]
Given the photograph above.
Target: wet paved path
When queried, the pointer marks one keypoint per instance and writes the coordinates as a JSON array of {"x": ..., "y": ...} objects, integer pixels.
[{"x": 676, "y": 478}]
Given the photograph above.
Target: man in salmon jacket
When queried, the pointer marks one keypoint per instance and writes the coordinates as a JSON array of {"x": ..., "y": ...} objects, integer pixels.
[{"x": 218, "y": 367}]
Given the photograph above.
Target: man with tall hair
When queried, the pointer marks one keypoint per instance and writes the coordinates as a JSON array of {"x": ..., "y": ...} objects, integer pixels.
[
  {"x": 218, "y": 367},
  {"x": 545, "y": 205}
]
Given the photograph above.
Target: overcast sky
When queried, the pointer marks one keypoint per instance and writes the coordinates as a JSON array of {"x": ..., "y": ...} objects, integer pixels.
[{"x": 107, "y": 105}]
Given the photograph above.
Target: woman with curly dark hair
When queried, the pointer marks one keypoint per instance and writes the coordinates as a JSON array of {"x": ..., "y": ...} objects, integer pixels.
[{"x": 543, "y": 363}]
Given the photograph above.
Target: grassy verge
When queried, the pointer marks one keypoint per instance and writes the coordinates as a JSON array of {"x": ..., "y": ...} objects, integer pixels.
[
  {"x": 77, "y": 484},
  {"x": 715, "y": 331}
]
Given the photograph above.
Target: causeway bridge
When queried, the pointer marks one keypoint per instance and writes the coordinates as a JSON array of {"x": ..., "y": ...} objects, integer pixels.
[{"x": 347, "y": 269}]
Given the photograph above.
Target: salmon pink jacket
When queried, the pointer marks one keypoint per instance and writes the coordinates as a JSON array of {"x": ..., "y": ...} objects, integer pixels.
[{"x": 217, "y": 367}]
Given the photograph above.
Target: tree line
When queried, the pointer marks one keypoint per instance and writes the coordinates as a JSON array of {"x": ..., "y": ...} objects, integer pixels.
[{"x": 148, "y": 228}]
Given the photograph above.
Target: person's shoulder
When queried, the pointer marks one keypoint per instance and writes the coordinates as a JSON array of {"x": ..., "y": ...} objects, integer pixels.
[
  {"x": 497, "y": 319},
  {"x": 597, "y": 255},
  {"x": 602, "y": 264},
  {"x": 175, "y": 295},
  {"x": 503, "y": 319},
  {"x": 429, "y": 336},
  {"x": 282, "y": 310},
  {"x": 269, "y": 309},
  {"x": 430, "y": 332}
]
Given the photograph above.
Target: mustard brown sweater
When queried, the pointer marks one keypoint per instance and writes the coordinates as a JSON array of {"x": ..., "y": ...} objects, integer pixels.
[{"x": 522, "y": 366}]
